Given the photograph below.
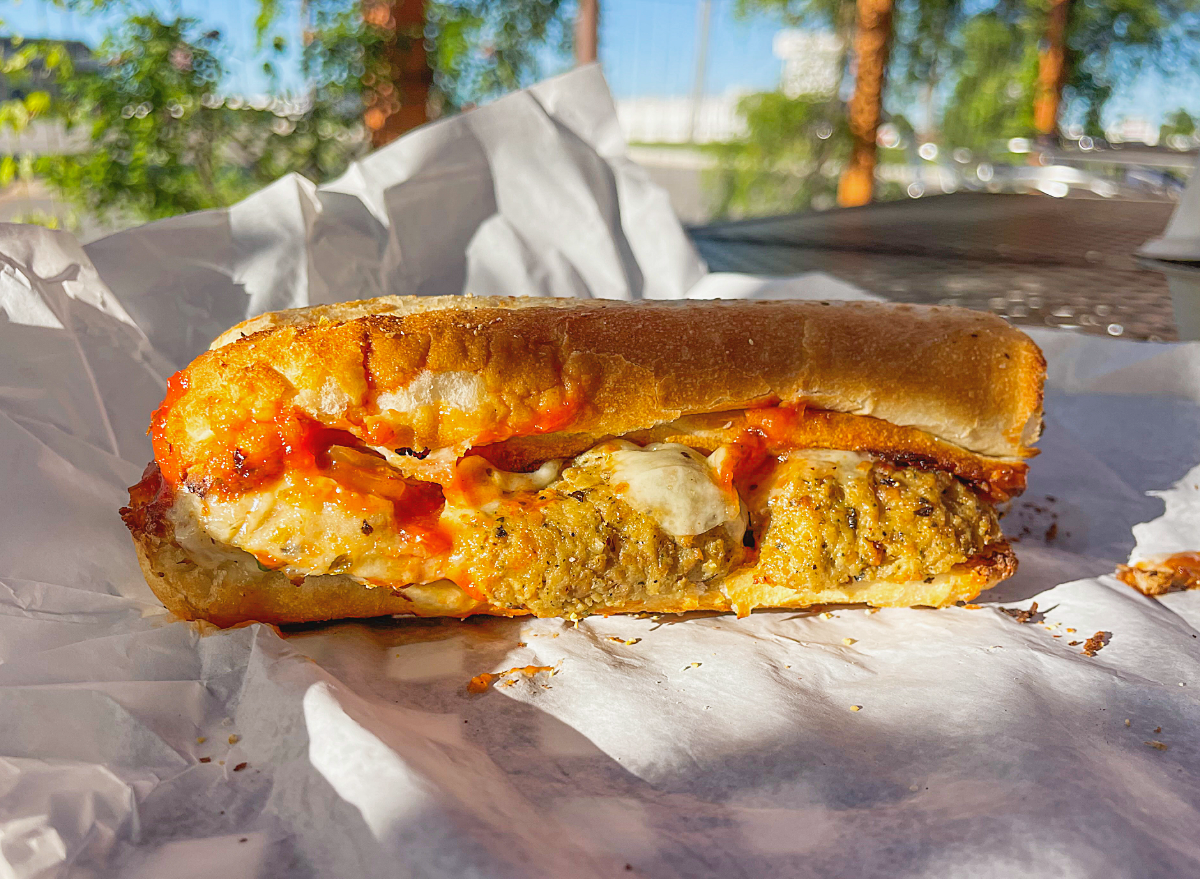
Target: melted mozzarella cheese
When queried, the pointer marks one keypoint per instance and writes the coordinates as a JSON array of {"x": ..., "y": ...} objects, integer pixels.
[{"x": 674, "y": 485}]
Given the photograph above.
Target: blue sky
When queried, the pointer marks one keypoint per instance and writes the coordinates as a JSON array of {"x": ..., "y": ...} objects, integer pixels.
[{"x": 647, "y": 48}]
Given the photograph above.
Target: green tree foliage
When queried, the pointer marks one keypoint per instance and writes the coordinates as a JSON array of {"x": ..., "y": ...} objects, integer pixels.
[
  {"x": 986, "y": 54},
  {"x": 162, "y": 138},
  {"x": 992, "y": 99},
  {"x": 1111, "y": 41},
  {"x": 484, "y": 48},
  {"x": 158, "y": 143},
  {"x": 789, "y": 159},
  {"x": 1178, "y": 123}
]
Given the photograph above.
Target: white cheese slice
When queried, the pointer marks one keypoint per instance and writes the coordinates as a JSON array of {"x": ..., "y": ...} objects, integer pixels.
[{"x": 674, "y": 485}]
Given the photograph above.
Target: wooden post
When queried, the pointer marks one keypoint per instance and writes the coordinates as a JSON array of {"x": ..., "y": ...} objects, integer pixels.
[
  {"x": 872, "y": 44},
  {"x": 1052, "y": 70},
  {"x": 397, "y": 96},
  {"x": 587, "y": 31}
]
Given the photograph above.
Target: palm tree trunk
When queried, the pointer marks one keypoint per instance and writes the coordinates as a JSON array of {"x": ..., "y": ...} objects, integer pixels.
[
  {"x": 872, "y": 45},
  {"x": 1052, "y": 70},
  {"x": 397, "y": 96},
  {"x": 587, "y": 31}
]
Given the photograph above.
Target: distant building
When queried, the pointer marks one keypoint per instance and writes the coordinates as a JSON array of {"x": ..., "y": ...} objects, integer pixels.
[
  {"x": 812, "y": 62},
  {"x": 669, "y": 119},
  {"x": 1132, "y": 129}
]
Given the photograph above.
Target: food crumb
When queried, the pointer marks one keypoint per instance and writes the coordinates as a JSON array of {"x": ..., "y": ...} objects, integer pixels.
[
  {"x": 1023, "y": 616},
  {"x": 521, "y": 644},
  {"x": 969, "y": 606},
  {"x": 1072, "y": 631},
  {"x": 692, "y": 665},
  {"x": 1127, "y": 721},
  {"x": 234, "y": 739},
  {"x": 826, "y": 615},
  {"x": 1157, "y": 730},
  {"x": 849, "y": 641},
  {"x": 1158, "y": 746},
  {"x": 628, "y": 642},
  {"x": 239, "y": 767},
  {"x": 200, "y": 740},
  {"x": 856, "y": 708},
  {"x": 1094, "y": 644},
  {"x": 206, "y": 759},
  {"x": 244, "y": 839},
  {"x": 481, "y": 682},
  {"x": 874, "y": 610},
  {"x": 1074, "y": 643}
]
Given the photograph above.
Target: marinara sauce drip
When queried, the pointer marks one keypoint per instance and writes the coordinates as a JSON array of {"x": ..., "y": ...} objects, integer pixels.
[
  {"x": 246, "y": 454},
  {"x": 768, "y": 430},
  {"x": 164, "y": 451}
]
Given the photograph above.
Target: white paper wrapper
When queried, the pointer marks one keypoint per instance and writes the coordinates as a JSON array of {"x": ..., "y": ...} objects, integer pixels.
[{"x": 703, "y": 747}]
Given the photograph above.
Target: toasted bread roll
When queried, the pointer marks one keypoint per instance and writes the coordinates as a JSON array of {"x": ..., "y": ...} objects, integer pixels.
[{"x": 457, "y": 455}]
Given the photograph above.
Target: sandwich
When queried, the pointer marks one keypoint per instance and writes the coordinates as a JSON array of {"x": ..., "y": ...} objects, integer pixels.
[{"x": 449, "y": 456}]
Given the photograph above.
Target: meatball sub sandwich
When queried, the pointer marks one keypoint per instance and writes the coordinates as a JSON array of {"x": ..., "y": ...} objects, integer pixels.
[{"x": 452, "y": 456}]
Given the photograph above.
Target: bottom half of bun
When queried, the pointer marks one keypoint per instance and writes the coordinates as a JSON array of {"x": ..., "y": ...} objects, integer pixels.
[
  {"x": 230, "y": 594},
  {"x": 821, "y": 528}
]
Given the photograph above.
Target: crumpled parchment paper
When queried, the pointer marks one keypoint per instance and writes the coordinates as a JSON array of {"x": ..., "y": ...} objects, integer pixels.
[{"x": 957, "y": 742}]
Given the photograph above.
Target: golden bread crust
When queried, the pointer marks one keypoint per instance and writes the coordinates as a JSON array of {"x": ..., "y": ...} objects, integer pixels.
[{"x": 455, "y": 377}]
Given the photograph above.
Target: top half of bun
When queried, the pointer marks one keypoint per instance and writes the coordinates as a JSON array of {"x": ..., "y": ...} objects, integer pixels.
[{"x": 452, "y": 372}]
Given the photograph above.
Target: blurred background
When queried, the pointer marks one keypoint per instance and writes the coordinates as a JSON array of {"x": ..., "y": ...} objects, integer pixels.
[{"x": 871, "y": 139}]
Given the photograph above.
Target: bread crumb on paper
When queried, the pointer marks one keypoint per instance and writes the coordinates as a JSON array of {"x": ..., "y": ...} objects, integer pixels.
[
  {"x": 691, "y": 665},
  {"x": 1094, "y": 644},
  {"x": 481, "y": 682},
  {"x": 849, "y": 641},
  {"x": 1127, "y": 721},
  {"x": 1156, "y": 745},
  {"x": 628, "y": 642},
  {"x": 200, "y": 740},
  {"x": 239, "y": 767},
  {"x": 1172, "y": 574},
  {"x": 856, "y": 708},
  {"x": 1024, "y": 616}
]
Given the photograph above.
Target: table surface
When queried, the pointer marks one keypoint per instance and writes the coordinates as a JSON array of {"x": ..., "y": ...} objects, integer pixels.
[{"x": 1033, "y": 259}]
